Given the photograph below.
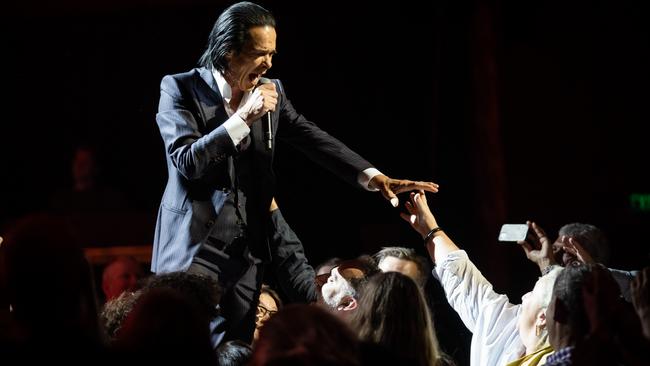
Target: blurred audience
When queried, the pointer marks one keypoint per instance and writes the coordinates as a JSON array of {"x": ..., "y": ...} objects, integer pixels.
[
  {"x": 121, "y": 274},
  {"x": 87, "y": 193},
  {"x": 115, "y": 311},
  {"x": 48, "y": 287},
  {"x": 581, "y": 324},
  {"x": 202, "y": 292},
  {"x": 305, "y": 335},
  {"x": 234, "y": 353},
  {"x": 165, "y": 327}
]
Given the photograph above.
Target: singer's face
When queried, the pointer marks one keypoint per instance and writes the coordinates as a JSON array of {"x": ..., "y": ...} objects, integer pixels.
[{"x": 246, "y": 67}]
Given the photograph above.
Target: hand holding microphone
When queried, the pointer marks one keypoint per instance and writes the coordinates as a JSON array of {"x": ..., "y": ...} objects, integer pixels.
[{"x": 262, "y": 100}]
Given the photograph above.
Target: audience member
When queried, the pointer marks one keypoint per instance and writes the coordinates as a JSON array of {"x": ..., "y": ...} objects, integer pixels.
[
  {"x": 121, "y": 274},
  {"x": 305, "y": 335},
  {"x": 234, "y": 353},
  {"x": 393, "y": 312},
  {"x": 502, "y": 333},
  {"x": 49, "y": 288},
  {"x": 115, "y": 311},
  {"x": 87, "y": 192},
  {"x": 326, "y": 266},
  {"x": 202, "y": 292},
  {"x": 269, "y": 303},
  {"x": 576, "y": 243},
  {"x": 339, "y": 287},
  {"x": 453, "y": 336},
  {"x": 292, "y": 272},
  {"x": 404, "y": 261},
  {"x": 165, "y": 327},
  {"x": 582, "y": 325}
]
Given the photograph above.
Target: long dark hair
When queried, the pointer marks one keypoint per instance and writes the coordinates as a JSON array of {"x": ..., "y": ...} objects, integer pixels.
[
  {"x": 393, "y": 313},
  {"x": 230, "y": 32}
]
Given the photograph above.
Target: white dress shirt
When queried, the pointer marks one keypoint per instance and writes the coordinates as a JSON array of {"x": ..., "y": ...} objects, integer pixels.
[{"x": 490, "y": 317}]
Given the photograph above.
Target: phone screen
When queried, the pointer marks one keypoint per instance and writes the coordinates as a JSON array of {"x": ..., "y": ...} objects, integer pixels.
[{"x": 513, "y": 232}]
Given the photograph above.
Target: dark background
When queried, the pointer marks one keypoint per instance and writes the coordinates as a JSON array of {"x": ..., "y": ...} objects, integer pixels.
[{"x": 535, "y": 111}]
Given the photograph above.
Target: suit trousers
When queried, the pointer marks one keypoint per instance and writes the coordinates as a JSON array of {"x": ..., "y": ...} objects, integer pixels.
[
  {"x": 241, "y": 280},
  {"x": 225, "y": 256}
]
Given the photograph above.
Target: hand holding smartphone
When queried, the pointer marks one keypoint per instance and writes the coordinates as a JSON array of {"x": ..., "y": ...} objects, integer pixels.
[{"x": 513, "y": 232}]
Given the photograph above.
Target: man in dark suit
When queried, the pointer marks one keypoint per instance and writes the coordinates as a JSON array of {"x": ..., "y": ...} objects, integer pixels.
[{"x": 214, "y": 216}]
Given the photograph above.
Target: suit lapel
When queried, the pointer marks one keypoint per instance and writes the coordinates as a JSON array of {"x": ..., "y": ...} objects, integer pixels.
[{"x": 210, "y": 100}]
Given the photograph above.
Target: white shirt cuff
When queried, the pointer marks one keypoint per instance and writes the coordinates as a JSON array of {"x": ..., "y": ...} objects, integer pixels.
[
  {"x": 237, "y": 129},
  {"x": 366, "y": 176}
]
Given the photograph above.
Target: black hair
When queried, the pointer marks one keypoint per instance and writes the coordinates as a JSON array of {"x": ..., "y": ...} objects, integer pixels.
[
  {"x": 234, "y": 353},
  {"x": 231, "y": 31}
]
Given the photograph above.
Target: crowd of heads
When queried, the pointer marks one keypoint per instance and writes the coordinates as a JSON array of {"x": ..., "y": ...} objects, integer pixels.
[{"x": 370, "y": 306}]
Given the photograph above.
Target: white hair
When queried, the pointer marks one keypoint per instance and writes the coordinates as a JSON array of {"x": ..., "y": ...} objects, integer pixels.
[{"x": 545, "y": 286}]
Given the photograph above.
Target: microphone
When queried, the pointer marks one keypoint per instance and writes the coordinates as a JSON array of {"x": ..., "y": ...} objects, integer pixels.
[{"x": 269, "y": 127}]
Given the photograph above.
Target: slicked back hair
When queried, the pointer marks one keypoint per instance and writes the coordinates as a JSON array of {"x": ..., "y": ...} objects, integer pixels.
[{"x": 231, "y": 32}]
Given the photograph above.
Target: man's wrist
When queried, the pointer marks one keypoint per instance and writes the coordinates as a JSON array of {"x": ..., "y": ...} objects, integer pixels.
[{"x": 365, "y": 177}]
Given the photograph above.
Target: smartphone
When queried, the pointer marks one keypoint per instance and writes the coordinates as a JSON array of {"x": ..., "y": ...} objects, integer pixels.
[{"x": 513, "y": 232}]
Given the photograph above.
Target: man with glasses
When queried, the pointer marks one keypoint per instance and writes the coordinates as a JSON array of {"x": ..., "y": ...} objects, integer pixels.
[{"x": 269, "y": 303}]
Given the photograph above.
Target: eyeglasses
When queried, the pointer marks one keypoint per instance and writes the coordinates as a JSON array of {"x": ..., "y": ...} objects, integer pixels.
[
  {"x": 347, "y": 269},
  {"x": 263, "y": 312}
]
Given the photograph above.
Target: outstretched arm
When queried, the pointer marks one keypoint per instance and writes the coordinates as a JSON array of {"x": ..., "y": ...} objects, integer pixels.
[
  {"x": 295, "y": 275},
  {"x": 422, "y": 220},
  {"x": 390, "y": 187}
]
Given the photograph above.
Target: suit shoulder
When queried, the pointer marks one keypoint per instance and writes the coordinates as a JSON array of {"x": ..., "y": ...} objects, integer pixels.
[
  {"x": 182, "y": 77},
  {"x": 181, "y": 81}
]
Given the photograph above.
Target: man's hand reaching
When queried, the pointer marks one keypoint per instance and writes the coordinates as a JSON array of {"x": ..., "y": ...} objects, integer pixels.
[{"x": 390, "y": 187}]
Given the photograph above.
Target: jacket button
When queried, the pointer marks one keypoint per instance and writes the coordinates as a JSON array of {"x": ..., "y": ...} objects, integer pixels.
[{"x": 209, "y": 224}]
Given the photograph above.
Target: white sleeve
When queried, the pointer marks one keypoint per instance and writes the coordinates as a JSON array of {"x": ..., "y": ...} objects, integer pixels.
[
  {"x": 489, "y": 316},
  {"x": 366, "y": 176},
  {"x": 237, "y": 129}
]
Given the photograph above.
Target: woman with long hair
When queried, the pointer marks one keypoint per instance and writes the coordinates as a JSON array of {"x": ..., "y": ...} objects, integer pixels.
[{"x": 393, "y": 313}]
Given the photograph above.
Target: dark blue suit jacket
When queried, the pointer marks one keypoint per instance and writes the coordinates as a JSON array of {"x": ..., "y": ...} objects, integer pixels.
[{"x": 199, "y": 157}]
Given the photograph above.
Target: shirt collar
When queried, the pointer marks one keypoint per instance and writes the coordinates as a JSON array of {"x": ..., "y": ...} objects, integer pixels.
[{"x": 224, "y": 88}]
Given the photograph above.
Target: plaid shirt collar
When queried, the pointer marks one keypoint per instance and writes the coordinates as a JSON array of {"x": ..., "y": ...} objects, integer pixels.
[{"x": 560, "y": 357}]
